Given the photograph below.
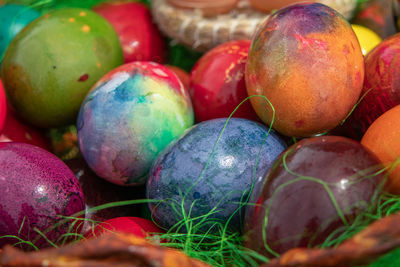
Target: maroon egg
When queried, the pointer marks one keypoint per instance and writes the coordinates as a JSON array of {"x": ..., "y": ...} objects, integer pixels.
[
  {"x": 218, "y": 84},
  {"x": 140, "y": 38},
  {"x": 317, "y": 186},
  {"x": 381, "y": 86},
  {"x": 97, "y": 192},
  {"x": 36, "y": 190}
]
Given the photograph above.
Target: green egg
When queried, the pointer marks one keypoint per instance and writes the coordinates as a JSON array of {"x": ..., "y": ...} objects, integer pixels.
[{"x": 51, "y": 65}]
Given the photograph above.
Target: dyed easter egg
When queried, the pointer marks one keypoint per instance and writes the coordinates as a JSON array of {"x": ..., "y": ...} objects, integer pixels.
[
  {"x": 382, "y": 138},
  {"x": 36, "y": 189},
  {"x": 15, "y": 130},
  {"x": 13, "y": 18},
  {"x": 306, "y": 60},
  {"x": 3, "y": 106},
  {"x": 217, "y": 84},
  {"x": 381, "y": 89},
  {"x": 129, "y": 225},
  {"x": 314, "y": 188},
  {"x": 202, "y": 172},
  {"x": 140, "y": 38},
  {"x": 50, "y": 66},
  {"x": 97, "y": 192},
  {"x": 130, "y": 116},
  {"x": 64, "y": 142},
  {"x": 367, "y": 38}
]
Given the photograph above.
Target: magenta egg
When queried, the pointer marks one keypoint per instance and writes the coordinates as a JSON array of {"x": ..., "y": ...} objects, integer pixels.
[{"x": 37, "y": 190}]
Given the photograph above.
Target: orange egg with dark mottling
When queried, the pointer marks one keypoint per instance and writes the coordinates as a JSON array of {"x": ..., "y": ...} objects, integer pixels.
[{"x": 306, "y": 60}]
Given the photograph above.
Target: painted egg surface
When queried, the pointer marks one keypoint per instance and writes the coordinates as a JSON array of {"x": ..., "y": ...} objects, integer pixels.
[
  {"x": 140, "y": 38},
  {"x": 314, "y": 188},
  {"x": 13, "y": 18},
  {"x": 218, "y": 84},
  {"x": 382, "y": 138},
  {"x": 204, "y": 172},
  {"x": 306, "y": 60},
  {"x": 36, "y": 189},
  {"x": 50, "y": 66},
  {"x": 381, "y": 86},
  {"x": 130, "y": 116}
]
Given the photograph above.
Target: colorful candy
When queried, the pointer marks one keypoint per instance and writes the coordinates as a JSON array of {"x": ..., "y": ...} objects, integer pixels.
[
  {"x": 51, "y": 65},
  {"x": 140, "y": 38},
  {"x": 218, "y": 85},
  {"x": 315, "y": 187},
  {"x": 306, "y": 60},
  {"x": 202, "y": 172},
  {"x": 129, "y": 117},
  {"x": 36, "y": 190}
]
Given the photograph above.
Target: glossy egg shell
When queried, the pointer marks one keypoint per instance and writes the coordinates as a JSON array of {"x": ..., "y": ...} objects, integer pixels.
[
  {"x": 13, "y": 18},
  {"x": 129, "y": 117},
  {"x": 36, "y": 189},
  {"x": 50, "y": 66},
  {"x": 314, "y": 188},
  {"x": 126, "y": 225},
  {"x": 306, "y": 60},
  {"x": 381, "y": 89},
  {"x": 217, "y": 84},
  {"x": 140, "y": 38},
  {"x": 188, "y": 171},
  {"x": 382, "y": 138}
]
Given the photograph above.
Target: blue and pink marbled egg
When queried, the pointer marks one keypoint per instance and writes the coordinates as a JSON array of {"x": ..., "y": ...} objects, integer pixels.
[
  {"x": 129, "y": 117},
  {"x": 36, "y": 190}
]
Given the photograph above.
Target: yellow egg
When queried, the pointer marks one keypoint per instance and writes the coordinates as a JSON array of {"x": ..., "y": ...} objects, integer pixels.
[{"x": 367, "y": 38}]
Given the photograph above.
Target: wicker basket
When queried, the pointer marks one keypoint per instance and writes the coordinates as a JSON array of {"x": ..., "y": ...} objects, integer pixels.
[{"x": 191, "y": 28}]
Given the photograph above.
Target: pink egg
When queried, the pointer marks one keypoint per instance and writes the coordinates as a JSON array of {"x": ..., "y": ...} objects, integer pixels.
[{"x": 36, "y": 190}]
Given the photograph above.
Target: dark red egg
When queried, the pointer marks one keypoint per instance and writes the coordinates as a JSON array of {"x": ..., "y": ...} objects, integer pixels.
[
  {"x": 314, "y": 188},
  {"x": 218, "y": 84},
  {"x": 97, "y": 192},
  {"x": 130, "y": 225},
  {"x": 140, "y": 38},
  {"x": 3, "y": 106},
  {"x": 381, "y": 86},
  {"x": 182, "y": 75},
  {"x": 15, "y": 130}
]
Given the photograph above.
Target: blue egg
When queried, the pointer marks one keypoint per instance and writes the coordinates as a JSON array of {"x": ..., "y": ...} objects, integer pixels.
[
  {"x": 211, "y": 173},
  {"x": 13, "y": 18}
]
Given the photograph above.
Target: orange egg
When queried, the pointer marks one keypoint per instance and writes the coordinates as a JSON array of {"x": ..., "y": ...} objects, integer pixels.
[{"x": 383, "y": 139}]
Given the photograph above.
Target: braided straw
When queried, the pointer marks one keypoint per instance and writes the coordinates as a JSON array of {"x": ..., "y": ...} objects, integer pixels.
[{"x": 191, "y": 28}]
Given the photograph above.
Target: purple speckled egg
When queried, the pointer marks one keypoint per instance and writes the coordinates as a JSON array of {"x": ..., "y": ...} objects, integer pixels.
[{"x": 36, "y": 190}]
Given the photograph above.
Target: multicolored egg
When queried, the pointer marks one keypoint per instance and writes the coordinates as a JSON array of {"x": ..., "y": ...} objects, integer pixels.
[
  {"x": 211, "y": 167},
  {"x": 13, "y": 18},
  {"x": 126, "y": 225},
  {"x": 36, "y": 190},
  {"x": 307, "y": 62},
  {"x": 314, "y": 188},
  {"x": 50, "y": 66},
  {"x": 129, "y": 117},
  {"x": 381, "y": 90},
  {"x": 383, "y": 139},
  {"x": 140, "y": 38},
  {"x": 217, "y": 84}
]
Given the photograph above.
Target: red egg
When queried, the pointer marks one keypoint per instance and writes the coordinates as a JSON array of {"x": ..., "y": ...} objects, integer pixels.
[
  {"x": 140, "y": 38},
  {"x": 131, "y": 225},
  {"x": 218, "y": 85},
  {"x": 15, "y": 130},
  {"x": 381, "y": 86},
  {"x": 182, "y": 75},
  {"x": 3, "y": 106}
]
